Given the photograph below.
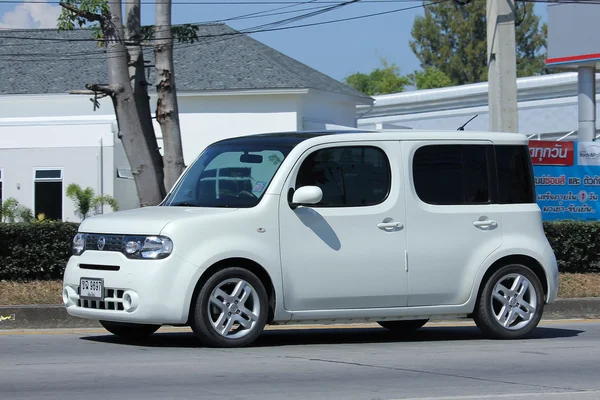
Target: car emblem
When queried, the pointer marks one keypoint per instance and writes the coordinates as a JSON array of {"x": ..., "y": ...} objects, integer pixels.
[{"x": 101, "y": 243}]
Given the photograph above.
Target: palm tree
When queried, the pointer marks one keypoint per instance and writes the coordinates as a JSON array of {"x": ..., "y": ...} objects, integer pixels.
[
  {"x": 11, "y": 211},
  {"x": 86, "y": 200}
]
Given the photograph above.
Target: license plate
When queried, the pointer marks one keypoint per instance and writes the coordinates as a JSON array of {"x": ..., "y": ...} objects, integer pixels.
[{"x": 91, "y": 289}]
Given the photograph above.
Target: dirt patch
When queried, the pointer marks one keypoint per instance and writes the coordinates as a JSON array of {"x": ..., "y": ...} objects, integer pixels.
[
  {"x": 37, "y": 292},
  {"x": 49, "y": 292},
  {"x": 579, "y": 285}
]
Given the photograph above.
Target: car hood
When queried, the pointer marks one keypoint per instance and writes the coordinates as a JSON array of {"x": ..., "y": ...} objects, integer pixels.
[{"x": 144, "y": 221}]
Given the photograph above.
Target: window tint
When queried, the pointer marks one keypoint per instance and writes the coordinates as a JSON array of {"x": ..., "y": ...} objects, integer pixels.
[
  {"x": 452, "y": 174},
  {"x": 48, "y": 174},
  {"x": 348, "y": 176},
  {"x": 515, "y": 175}
]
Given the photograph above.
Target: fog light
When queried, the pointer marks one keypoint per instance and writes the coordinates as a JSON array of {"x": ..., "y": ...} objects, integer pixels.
[
  {"x": 131, "y": 301},
  {"x": 69, "y": 296}
]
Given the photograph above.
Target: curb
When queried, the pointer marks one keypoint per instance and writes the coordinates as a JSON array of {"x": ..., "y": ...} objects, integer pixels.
[{"x": 56, "y": 316}]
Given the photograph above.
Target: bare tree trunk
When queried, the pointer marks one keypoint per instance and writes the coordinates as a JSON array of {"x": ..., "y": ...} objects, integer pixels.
[
  {"x": 139, "y": 84},
  {"x": 167, "y": 110},
  {"x": 149, "y": 186}
]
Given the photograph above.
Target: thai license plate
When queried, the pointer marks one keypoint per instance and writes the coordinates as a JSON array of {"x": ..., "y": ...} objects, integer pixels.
[{"x": 91, "y": 289}]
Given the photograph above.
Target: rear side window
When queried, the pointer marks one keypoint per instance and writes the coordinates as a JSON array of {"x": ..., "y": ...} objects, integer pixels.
[
  {"x": 348, "y": 176},
  {"x": 515, "y": 175},
  {"x": 452, "y": 174}
]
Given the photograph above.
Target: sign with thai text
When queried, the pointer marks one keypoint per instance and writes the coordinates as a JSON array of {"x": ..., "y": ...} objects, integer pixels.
[
  {"x": 552, "y": 153},
  {"x": 567, "y": 189}
]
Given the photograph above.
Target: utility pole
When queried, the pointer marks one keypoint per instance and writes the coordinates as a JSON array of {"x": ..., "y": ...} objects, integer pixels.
[{"x": 502, "y": 66}]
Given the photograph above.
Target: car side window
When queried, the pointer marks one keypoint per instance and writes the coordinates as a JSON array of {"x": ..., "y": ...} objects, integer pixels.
[
  {"x": 351, "y": 176},
  {"x": 452, "y": 174},
  {"x": 515, "y": 175}
]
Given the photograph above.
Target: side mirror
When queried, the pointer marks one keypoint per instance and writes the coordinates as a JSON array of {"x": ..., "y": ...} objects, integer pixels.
[{"x": 306, "y": 195}]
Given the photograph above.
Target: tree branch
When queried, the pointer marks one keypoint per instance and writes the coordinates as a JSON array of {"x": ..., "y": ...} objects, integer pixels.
[
  {"x": 106, "y": 89},
  {"x": 85, "y": 14}
]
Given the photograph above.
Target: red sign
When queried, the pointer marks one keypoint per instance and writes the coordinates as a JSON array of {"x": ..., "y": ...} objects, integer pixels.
[{"x": 551, "y": 153}]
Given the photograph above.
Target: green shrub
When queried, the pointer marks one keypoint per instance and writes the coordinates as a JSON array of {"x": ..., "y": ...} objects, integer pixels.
[
  {"x": 35, "y": 251},
  {"x": 575, "y": 244},
  {"x": 40, "y": 250}
]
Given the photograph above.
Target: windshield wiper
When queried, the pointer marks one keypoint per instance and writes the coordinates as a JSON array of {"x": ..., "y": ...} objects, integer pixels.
[{"x": 183, "y": 204}]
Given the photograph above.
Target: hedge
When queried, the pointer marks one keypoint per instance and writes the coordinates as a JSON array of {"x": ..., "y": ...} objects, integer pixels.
[
  {"x": 35, "y": 251},
  {"x": 40, "y": 250}
]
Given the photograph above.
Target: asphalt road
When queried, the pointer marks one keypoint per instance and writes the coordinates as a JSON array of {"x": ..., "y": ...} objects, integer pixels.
[{"x": 561, "y": 361}]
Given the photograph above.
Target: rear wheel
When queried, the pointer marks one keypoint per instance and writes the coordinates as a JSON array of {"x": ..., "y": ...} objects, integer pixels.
[
  {"x": 231, "y": 309},
  {"x": 406, "y": 326},
  {"x": 129, "y": 331},
  {"x": 511, "y": 303}
]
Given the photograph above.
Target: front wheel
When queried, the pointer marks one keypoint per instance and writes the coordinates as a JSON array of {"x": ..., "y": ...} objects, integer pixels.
[
  {"x": 511, "y": 303},
  {"x": 129, "y": 331},
  {"x": 231, "y": 309}
]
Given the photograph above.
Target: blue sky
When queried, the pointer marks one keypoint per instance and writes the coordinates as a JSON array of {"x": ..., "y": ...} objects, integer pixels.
[{"x": 336, "y": 49}]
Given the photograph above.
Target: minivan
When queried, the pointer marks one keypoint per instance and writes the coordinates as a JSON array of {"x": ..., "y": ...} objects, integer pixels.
[{"x": 393, "y": 227}]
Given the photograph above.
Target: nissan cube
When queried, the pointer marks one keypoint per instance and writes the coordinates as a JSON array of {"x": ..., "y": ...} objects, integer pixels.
[{"x": 393, "y": 227}]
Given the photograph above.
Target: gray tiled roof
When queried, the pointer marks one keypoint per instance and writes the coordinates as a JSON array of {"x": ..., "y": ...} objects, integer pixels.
[{"x": 215, "y": 63}]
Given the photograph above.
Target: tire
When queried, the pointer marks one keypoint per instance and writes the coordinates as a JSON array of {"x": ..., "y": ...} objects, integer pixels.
[
  {"x": 404, "y": 326},
  {"x": 513, "y": 310},
  {"x": 130, "y": 332},
  {"x": 231, "y": 309}
]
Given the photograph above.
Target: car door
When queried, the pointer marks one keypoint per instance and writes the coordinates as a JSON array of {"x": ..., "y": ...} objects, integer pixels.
[
  {"x": 348, "y": 251},
  {"x": 454, "y": 223}
]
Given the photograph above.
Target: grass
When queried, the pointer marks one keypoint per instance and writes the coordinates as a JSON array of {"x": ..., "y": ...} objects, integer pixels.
[{"x": 39, "y": 292}]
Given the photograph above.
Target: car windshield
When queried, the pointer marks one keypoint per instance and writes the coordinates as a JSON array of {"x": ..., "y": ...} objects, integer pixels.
[{"x": 229, "y": 174}]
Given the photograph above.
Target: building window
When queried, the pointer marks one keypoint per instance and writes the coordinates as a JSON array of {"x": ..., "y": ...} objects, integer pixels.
[
  {"x": 515, "y": 175},
  {"x": 124, "y": 173},
  {"x": 453, "y": 174},
  {"x": 48, "y": 192},
  {"x": 348, "y": 176}
]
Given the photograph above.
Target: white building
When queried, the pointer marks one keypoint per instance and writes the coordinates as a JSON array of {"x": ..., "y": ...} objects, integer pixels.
[
  {"x": 547, "y": 108},
  {"x": 227, "y": 86}
]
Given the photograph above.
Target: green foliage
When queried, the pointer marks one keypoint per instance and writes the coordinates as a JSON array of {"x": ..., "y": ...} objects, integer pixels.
[
  {"x": 11, "y": 211},
  {"x": 87, "y": 202},
  {"x": 453, "y": 39},
  {"x": 430, "y": 78},
  {"x": 35, "y": 251},
  {"x": 383, "y": 80},
  {"x": 575, "y": 244},
  {"x": 68, "y": 20}
]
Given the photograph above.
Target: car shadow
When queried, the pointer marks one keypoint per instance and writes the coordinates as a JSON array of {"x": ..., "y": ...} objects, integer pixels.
[{"x": 332, "y": 336}]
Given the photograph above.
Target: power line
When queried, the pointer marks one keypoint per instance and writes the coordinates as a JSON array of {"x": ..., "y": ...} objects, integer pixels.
[
  {"x": 218, "y": 37},
  {"x": 218, "y": 3}
]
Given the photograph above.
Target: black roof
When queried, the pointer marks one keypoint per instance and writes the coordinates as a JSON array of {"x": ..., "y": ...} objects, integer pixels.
[
  {"x": 48, "y": 61},
  {"x": 283, "y": 139}
]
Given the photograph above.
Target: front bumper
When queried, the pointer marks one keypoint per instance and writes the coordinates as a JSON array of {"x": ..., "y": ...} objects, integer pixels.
[{"x": 141, "y": 291}]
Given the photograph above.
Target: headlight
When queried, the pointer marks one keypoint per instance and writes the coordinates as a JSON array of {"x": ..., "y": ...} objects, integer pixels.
[
  {"x": 150, "y": 247},
  {"x": 78, "y": 244}
]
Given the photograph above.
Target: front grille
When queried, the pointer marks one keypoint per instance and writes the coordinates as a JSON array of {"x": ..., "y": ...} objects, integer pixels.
[
  {"x": 112, "y": 242},
  {"x": 113, "y": 300},
  {"x": 100, "y": 267}
]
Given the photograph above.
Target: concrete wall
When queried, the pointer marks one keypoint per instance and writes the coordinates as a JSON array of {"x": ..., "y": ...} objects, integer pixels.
[
  {"x": 320, "y": 108},
  {"x": 79, "y": 161}
]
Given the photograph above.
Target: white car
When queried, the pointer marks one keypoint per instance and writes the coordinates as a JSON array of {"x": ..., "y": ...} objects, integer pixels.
[{"x": 392, "y": 226}]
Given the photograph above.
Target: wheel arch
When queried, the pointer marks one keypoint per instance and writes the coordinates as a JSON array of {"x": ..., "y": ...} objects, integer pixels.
[
  {"x": 527, "y": 261},
  {"x": 240, "y": 262}
]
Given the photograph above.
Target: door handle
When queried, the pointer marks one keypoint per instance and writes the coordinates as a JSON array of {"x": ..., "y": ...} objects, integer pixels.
[
  {"x": 389, "y": 225},
  {"x": 488, "y": 223}
]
